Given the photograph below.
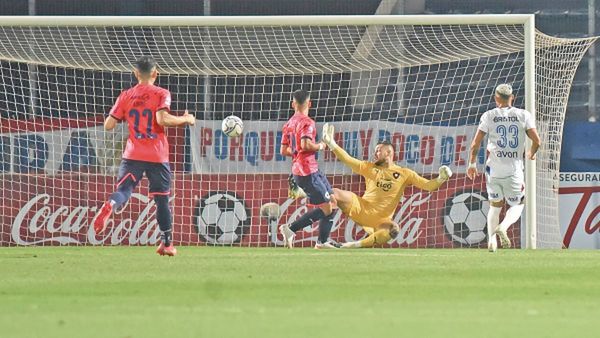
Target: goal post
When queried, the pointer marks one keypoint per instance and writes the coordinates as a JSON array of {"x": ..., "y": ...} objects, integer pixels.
[
  {"x": 421, "y": 81},
  {"x": 530, "y": 182}
]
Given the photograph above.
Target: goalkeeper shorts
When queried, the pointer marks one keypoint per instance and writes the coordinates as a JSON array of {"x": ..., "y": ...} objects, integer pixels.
[{"x": 364, "y": 215}]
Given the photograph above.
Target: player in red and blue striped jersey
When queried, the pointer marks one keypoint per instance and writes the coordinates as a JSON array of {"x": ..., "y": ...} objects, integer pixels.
[
  {"x": 299, "y": 142},
  {"x": 145, "y": 107}
]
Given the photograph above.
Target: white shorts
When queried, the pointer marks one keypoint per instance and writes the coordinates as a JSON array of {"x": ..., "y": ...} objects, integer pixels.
[{"x": 511, "y": 189}]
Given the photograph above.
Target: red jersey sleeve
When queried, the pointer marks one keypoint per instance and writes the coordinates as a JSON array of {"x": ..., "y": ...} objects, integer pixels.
[
  {"x": 165, "y": 101},
  {"x": 117, "y": 111},
  {"x": 307, "y": 130}
]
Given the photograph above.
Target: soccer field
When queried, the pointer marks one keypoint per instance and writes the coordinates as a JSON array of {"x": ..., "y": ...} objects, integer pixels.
[{"x": 235, "y": 292}]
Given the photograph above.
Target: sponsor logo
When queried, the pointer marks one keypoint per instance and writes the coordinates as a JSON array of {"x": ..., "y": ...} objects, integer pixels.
[
  {"x": 40, "y": 221},
  {"x": 592, "y": 221},
  {"x": 384, "y": 185},
  {"x": 507, "y": 154},
  {"x": 505, "y": 119},
  {"x": 411, "y": 225}
]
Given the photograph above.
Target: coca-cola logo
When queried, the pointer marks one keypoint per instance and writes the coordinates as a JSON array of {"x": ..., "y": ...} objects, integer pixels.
[
  {"x": 41, "y": 221},
  {"x": 410, "y": 224}
]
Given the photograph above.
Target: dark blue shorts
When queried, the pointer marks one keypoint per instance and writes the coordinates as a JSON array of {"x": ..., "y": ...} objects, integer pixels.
[
  {"x": 316, "y": 186},
  {"x": 132, "y": 171}
]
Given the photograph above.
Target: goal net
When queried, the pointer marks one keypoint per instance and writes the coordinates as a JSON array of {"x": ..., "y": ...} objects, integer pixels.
[{"x": 423, "y": 86}]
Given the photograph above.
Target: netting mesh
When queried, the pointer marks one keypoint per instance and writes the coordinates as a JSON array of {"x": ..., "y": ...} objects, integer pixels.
[{"x": 423, "y": 87}]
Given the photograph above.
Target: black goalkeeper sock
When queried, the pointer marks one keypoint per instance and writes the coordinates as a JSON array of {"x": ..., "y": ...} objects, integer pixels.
[
  {"x": 325, "y": 225},
  {"x": 307, "y": 219}
]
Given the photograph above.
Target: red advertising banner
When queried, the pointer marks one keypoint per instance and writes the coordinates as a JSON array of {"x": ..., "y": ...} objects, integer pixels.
[{"x": 224, "y": 210}]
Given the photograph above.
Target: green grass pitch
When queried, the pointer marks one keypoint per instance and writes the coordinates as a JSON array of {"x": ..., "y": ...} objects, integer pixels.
[{"x": 241, "y": 292}]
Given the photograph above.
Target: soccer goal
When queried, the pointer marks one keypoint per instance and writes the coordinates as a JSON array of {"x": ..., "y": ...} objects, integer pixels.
[{"x": 421, "y": 82}]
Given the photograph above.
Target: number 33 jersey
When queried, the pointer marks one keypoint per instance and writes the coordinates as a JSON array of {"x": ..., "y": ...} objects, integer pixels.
[
  {"x": 138, "y": 106},
  {"x": 506, "y": 129}
]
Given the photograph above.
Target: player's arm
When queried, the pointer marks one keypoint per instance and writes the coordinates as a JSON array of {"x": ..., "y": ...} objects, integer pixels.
[
  {"x": 116, "y": 114},
  {"x": 533, "y": 135},
  {"x": 340, "y": 153},
  {"x": 535, "y": 142},
  {"x": 307, "y": 144},
  {"x": 431, "y": 185},
  {"x": 286, "y": 150},
  {"x": 472, "y": 169},
  {"x": 166, "y": 119},
  {"x": 482, "y": 130},
  {"x": 110, "y": 122}
]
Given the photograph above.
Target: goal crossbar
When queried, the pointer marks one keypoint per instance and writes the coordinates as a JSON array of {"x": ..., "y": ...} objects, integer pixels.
[{"x": 287, "y": 20}]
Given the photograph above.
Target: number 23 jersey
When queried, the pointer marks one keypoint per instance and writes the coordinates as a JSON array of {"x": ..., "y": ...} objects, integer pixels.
[
  {"x": 506, "y": 129},
  {"x": 138, "y": 106}
]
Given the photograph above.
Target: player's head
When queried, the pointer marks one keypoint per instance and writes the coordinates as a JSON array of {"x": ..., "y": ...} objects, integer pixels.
[
  {"x": 145, "y": 69},
  {"x": 504, "y": 95},
  {"x": 301, "y": 101},
  {"x": 384, "y": 153}
]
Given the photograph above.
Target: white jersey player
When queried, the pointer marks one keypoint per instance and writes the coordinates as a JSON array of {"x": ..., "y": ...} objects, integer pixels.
[{"x": 506, "y": 127}]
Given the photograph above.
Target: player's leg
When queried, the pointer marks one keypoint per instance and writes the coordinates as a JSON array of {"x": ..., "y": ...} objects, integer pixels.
[
  {"x": 496, "y": 198},
  {"x": 326, "y": 222},
  {"x": 384, "y": 232},
  {"x": 343, "y": 199},
  {"x": 159, "y": 175},
  {"x": 317, "y": 195},
  {"x": 514, "y": 193},
  {"x": 130, "y": 173}
]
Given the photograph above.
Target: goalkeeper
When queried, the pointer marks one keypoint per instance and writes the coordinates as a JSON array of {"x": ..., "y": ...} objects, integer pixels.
[{"x": 385, "y": 184}]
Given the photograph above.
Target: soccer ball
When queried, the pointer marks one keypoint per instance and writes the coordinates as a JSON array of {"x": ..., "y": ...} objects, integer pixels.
[
  {"x": 232, "y": 126},
  {"x": 222, "y": 218},
  {"x": 465, "y": 219}
]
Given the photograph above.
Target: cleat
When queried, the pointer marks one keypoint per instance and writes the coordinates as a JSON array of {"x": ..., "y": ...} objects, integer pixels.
[
  {"x": 166, "y": 250},
  {"x": 294, "y": 191},
  {"x": 288, "y": 236},
  {"x": 101, "y": 220},
  {"x": 326, "y": 245},
  {"x": 504, "y": 240}
]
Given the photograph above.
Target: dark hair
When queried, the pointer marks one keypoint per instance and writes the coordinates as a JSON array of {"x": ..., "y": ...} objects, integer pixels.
[
  {"x": 145, "y": 64},
  {"x": 301, "y": 96},
  {"x": 385, "y": 142}
]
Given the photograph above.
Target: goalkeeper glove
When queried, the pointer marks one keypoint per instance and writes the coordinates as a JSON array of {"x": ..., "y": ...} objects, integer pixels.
[
  {"x": 327, "y": 137},
  {"x": 445, "y": 174}
]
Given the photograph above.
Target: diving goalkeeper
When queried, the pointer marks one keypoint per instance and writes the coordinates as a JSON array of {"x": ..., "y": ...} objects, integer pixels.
[{"x": 385, "y": 184}]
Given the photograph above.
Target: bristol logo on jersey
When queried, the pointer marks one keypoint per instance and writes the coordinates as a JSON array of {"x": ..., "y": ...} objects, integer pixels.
[
  {"x": 465, "y": 218},
  {"x": 221, "y": 218}
]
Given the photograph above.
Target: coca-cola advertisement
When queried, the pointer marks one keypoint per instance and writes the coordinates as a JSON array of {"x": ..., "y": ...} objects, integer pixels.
[
  {"x": 55, "y": 178},
  {"x": 225, "y": 210}
]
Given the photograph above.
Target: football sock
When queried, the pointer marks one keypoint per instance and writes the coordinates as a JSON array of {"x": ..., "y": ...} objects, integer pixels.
[
  {"x": 307, "y": 219},
  {"x": 119, "y": 197},
  {"x": 378, "y": 237},
  {"x": 493, "y": 219},
  {"x": 512, "y": 215},
  {"x": 163, "y": 217},
  {"x": 325, "y": 225}
]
